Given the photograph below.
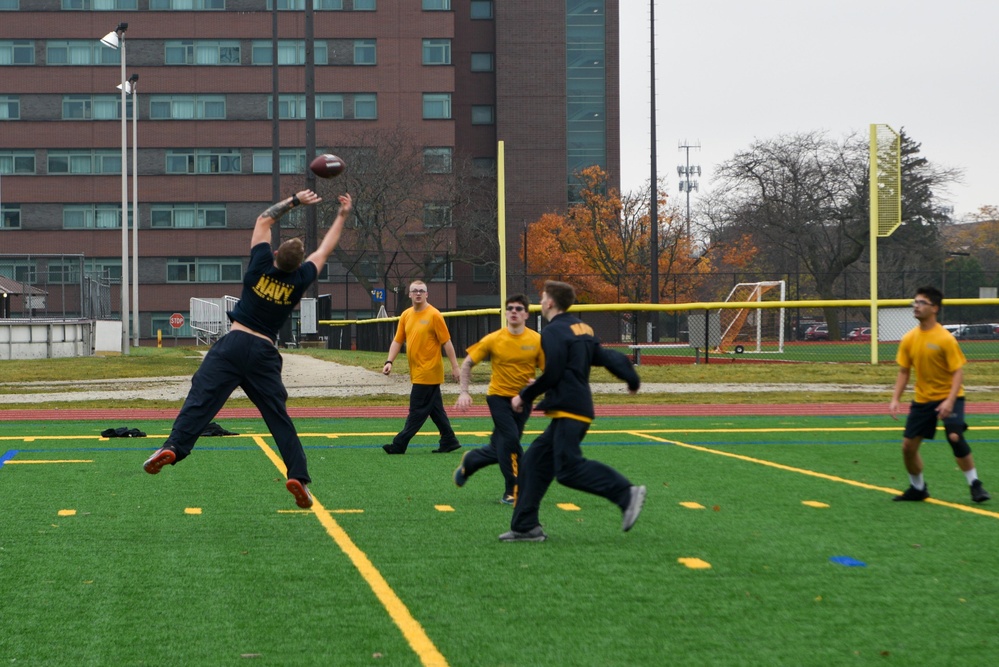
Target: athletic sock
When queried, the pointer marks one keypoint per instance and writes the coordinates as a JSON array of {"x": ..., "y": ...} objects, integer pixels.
[
  {"x": 971, "y": 476},
  {"x": 917, "y": 481}
]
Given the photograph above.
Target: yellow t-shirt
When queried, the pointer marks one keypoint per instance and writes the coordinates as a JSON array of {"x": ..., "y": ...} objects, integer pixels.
[
  {"x": 423, "y": 333},
  {"x": 514, "y": 357},
  {"x": 935, "y": 356}
]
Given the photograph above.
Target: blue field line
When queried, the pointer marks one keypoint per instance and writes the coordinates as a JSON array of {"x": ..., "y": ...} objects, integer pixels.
[{"x": 8, "y": 455}]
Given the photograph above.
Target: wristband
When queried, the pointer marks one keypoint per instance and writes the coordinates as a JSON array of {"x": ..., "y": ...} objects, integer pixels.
[
  {"x": 388, "y": 361},
  {"x": 295, "y": 201}
]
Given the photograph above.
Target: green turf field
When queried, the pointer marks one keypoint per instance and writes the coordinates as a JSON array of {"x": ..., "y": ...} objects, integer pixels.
[{"x": 764, "y": 541}]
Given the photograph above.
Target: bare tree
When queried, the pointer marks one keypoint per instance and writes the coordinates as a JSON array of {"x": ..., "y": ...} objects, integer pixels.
[{"x": 416, "y": 210}]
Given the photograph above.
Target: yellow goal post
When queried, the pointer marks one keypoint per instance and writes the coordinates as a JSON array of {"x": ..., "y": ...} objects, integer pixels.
[{"x": 885, "y": 205}]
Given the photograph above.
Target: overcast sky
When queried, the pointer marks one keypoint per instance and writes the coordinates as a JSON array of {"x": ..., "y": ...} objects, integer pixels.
[{"x": 729, "y": 72}]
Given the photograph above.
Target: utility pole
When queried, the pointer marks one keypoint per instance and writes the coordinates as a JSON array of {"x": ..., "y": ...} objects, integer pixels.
[
  {"x": 686, "y": 174},
  {"x": 654, "y": 190}
]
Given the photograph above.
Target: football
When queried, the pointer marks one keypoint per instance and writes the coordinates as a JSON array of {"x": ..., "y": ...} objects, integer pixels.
[{"x": 327, "y": 166}]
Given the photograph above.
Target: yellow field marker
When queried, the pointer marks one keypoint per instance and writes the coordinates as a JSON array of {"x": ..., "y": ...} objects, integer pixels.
[
  {"x": 694, "y": 563},
  {"x": 443, "y": 508},
  {"x": 410, "y": 627},
  {"x": 568, "y": 507},
  {"x": 814, "y": 503},
  {"x": 691, "y": 505},
  {"x": 66, "y": 512},
  {"x": 812, "y": 473},
  {"x": 192, "y": 510}
]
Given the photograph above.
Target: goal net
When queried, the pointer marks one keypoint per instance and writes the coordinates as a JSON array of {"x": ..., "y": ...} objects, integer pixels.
[{"x": 759, "y": 330}]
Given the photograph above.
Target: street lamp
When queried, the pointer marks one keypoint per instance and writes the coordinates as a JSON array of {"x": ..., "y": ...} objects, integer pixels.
[
  {"x": 116, "y": 40},
  {"x": 130, "y": 88}
]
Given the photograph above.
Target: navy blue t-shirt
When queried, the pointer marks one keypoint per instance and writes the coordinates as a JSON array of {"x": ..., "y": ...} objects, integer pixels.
[{"x": 270, "y": 294}]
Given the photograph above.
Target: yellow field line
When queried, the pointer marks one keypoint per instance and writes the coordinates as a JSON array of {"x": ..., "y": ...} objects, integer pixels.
[
  {"x": 812, "y": 473},
  {"x": 411, "y": 628}
]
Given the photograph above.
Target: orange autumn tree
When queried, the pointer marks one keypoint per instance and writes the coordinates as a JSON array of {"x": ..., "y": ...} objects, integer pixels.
[{"x": 603, "y": 247}]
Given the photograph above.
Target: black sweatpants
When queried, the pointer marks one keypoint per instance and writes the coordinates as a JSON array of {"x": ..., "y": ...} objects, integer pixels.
[
  {"x": 425, "y": 401},
  {"x": 243, "y": 360},
  {"x": 504, "y": 445},
  {"x": 556, "y": 454}
]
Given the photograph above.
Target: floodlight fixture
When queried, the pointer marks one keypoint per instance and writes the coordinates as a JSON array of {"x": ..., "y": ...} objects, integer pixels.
[{"x": 113, "y": 38}]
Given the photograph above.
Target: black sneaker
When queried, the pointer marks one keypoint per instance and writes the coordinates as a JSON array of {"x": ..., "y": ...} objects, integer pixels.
[
  {"x": 163, "y": 456},
  {"x": 393, "y": 448},
  {"x": 978, "y": 492},
  {"x": 535, "y": 534},
  {"x": 459, "y": 473},
  {"x": 508, "y": 499},
  {"x": 444, "y": 449},
  {"x": 912, "y": 493}
]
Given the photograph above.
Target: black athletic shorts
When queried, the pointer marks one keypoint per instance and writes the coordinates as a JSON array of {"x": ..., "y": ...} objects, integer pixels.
[{"x": 922, "y": 419}]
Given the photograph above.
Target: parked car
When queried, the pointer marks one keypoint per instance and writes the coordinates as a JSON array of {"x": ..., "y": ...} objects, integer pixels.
[
  {"x": 817, "y": 332},
  {"x": 978, "y": 332},
  {"x": 860, "y": 334}
]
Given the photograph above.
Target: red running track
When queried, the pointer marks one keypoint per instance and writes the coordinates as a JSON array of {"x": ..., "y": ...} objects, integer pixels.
[{"x": 399, "y": 412}]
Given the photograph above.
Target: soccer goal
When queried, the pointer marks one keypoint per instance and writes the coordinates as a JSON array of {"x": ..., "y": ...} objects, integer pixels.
[{"x": 759, "y": 330}]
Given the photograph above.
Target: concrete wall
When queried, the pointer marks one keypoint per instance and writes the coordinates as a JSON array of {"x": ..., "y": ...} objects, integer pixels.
[{"x": 46, "y": 339}]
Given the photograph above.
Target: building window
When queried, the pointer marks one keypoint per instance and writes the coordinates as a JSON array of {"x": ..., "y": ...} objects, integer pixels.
[
  {"x": 290, "y": 52},
  {"x": 437, "y": 52},
  {"x": 10, "y": 107},
  {"x": 161, "y": 322},
  {"x": 204, "y": 270},
  {"x": 444, "y": 271},
  {"x": 299, "y": 5},
  {"x": 17, "y": 52},
  {"x": 80, "y": 52},
  {"x": 328, "y": 107},
  {"x": 105, "y": 267},
  {"x": 437, "y": 160},
  {"x": 485, "y": 273},
  {"x": 186, "y": 216},
  {"x": 99, "y": 5},
  {"x": 17, "y": 162},
  {"x": 365, "y": 106},
  {"x": 436, "y": 215},
  {"x": 202, "y": 52},
  {"x": 91, "y": 216},
  {"x": 484, "y": 166},
  {"x": 481, "y": 9},
  {"x": 436, "y": 106},
  {"x": 365, "y": 5},
  {"x": 483, "y": 62},
  {"x": 290, "y": 161},
  {"x": 10, "y": 216},
  {"x": 483, "y": 114},
  {"x": 203, "y": 161},
  {"x": 185, "y": 5},
  {"x": 364, "y": 52},
  {"x": 94, "y": 107},
  {"x": 20, "y": 270},
  {"x": 84, "y": 162},
  {"x": 9, "y": 4},
  {"x": 187, "y": 107},
  {"x": 63, "y": 272},
  {"x": 436, "y": 5}
]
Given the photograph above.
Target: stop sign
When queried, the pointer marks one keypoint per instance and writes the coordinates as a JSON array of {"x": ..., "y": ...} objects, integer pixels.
[{"x": 176, "y": 320}]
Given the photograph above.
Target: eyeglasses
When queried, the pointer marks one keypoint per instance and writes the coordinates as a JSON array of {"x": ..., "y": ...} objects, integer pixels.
[
  {"x": 515, "y": 309},
  {"x": 417, "y": 291},
  {"x": 921, "y": 302}
]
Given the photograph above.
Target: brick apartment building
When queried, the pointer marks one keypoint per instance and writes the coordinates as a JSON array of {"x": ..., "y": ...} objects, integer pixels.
[{"x": 458, "y": 75}]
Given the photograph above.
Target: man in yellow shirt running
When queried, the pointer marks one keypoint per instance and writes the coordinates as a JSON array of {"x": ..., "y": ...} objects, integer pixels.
[
  {"x": 514, "y": 352},
  {"x": 939, "y": 363},
  {"x": 422, "y": 329}
]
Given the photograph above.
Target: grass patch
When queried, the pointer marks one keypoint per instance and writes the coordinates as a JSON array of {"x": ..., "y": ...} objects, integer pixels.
[{"x": 265, "y": 581}]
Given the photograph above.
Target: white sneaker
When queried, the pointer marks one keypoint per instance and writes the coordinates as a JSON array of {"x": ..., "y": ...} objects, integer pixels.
[{"x": 634, "y": 508}]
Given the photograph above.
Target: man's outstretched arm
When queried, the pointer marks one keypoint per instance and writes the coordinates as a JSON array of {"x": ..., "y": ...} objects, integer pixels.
[
  {"x": 332, "y": 237},
  {"x": 262, "y": 229}
]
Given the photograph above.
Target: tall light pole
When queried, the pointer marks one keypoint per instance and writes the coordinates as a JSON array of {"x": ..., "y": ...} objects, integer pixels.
[
  {"x": 130, "y": 88},
  {"x": 686, "y": 174},
  {"x": 654, "y": 183},
  {"x": 116, "y": 40}
]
